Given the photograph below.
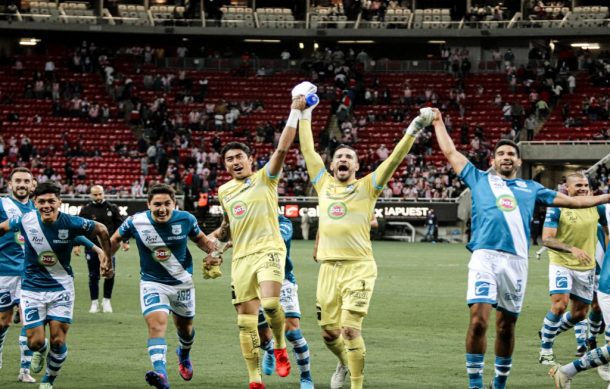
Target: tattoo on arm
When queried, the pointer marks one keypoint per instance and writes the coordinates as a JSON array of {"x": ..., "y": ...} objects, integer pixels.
[{"x": 556, "y": 244}]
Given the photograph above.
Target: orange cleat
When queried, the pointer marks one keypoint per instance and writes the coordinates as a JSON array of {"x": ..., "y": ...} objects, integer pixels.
[{"x": 282, "y": 362}]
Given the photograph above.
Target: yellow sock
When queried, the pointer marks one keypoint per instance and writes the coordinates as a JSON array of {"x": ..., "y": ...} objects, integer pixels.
[
  {"x": 337, "y": 347},
  {"x": 276, "y": 319},
  {"x": 355, "y": 361},
  {"x": 250, "y": 345}
]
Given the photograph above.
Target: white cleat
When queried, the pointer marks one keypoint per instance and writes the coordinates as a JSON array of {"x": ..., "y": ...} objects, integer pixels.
[
  {"x": 604, "y": 372},
  {"x": 562, "y": 381},
  {"x": 95, "y": 306},
  {"x": 37, "y": 362},
  {"x": 24, "y": 376},
  {"x": 338, "y": 378},
  {"x": 106, "y": 306},
  {"x": 45, "y": 385},
  {"x": 547, "y": 358}
]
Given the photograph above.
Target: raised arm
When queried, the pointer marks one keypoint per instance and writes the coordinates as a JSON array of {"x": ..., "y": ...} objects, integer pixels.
[
  {"x": 279, "y": 155},
  {"x": 384, "y": 172},
  {"x": 455, "y": 158},
  {"x": 565, "y": 201}
]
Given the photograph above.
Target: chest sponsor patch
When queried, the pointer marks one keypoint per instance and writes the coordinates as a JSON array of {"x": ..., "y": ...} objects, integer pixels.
[
  {"x": 506, "y": 203},
  {"x": 47, "y": 258},
  {"x": 19, "y": 239},
  {"x": 337, "y": 210},
  {"x": 161, "y": 254},
  {"x": 239, "y": 209}
]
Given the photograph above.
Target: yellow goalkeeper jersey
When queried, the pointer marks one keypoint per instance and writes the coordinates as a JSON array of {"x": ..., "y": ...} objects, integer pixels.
[
  {"x": 346, "y": 208},
  {"x": 252, "y": 209}
]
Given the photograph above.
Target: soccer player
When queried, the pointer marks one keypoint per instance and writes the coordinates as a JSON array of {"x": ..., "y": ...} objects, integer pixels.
[
  {"x": 502, "y": 207},
  {"x": 47, "y": 294},
  {"x": 249, "y": 202},
  {"x": 571, "y": 236},
  {"x": 289, "y": 298},
  {"x": 166, "y": 282},
  {"x": 598, "y": 357},
  {"x": 108, "y": 214},
  {"x": 348, "y": 271},
  {"x": 12, "y": 261}
]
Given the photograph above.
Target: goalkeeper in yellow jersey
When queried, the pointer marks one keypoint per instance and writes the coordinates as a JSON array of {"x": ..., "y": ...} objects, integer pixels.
[{"x": 347, "y": 268}]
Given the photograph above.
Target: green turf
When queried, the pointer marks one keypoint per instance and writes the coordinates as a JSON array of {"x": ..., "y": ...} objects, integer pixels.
[{"x": 414, "y": 332}]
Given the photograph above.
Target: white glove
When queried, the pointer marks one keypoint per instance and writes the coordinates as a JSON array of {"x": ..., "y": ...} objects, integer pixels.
[
  {"x": 425, "y": 118},
  {"x": 303, "y": 89}
]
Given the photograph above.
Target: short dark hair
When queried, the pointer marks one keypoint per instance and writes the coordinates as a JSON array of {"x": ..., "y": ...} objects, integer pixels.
[
  {"x": 507, "y": 142},
  {"x": 235, "y": 145},
  {"x": 345, "y": 146},
  {"x": 46, "y": 188},
  {"x": 19, "y": 170},
  {"x": 161, "y": 189}
]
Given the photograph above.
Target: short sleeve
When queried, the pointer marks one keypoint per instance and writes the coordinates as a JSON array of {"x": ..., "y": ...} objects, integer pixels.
[
  {"x": 471, "y": 175},
  {"x": 125, "y": 229},
  {"x": 194, "y": 229},
  {"x": 320, "y": 179},
  {"x": 551, "y": 219},
  {"x": 601, "y": 210},
  {"x": 83, "y": 241},
  {"x": 544, "y": 195},
  {"x": 81, "y": 225},
  {"x": 267, "y": 174}
]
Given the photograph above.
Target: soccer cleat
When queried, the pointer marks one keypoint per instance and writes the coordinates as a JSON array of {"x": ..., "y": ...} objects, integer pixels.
[
  {"x": 580, "y": 351},
  {"x": 95, "y": 306},
  {"x": 106, "y": 306},
  {"x": 338, "y": 378},
  {"x": 45, "y": 385},
  {"x": 24, "y": 376},
  {"x": 306, "y": 383},
  {"x": 157, "y": 380},
  {"x": 282, "y": 362},
  {"x": 604, "y": 372},
  {"x": 185, "y": 368},
  {"x": 257, "y": 385},
  {"x": 546, "y": 358},
  {"x": 16, "y": 317},
  {"x": 562, "y": 381},
  {"x": 268, "y": 363},
  {"x": 37, "y": 362}
]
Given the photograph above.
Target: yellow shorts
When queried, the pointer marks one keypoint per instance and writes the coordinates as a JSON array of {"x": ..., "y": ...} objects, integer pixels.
[
  {"x": 249, "y": 271},
  {"x": 344, "y": 285}
]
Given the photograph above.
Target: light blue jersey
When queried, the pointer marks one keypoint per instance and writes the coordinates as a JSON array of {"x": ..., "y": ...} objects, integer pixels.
[
  {"x": 502, "y": 210},
  {"x": 48, "y": 248},
  {"x": 286, "y": 231},
  {"x": 164, "y": 255},
  {"x": 11, "y": 244}
]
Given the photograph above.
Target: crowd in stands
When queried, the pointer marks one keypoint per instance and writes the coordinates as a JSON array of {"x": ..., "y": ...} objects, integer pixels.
[
  {"x": 546, "y": 10},
  {"x": 166, "y": 148}
]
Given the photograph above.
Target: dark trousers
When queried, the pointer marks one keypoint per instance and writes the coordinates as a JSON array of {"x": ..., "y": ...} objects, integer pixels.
[{"x": 93, "y": 263}]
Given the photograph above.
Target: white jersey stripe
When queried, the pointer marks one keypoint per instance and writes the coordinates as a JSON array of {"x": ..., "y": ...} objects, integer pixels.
[
  {"x": 513, "y": 217},
  {"x": 145, "y": 228},
  {"x": 40, "y": 244},
  {"x": 10, "y": 208}
]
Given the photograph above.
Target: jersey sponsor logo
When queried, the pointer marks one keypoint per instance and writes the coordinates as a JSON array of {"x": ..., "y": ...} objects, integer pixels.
[
  {"x": 31, "y": 314},
  {"x": 481, "y": 288},
  {"x": 506, "y": 203},
  {"x": 47, "y": 258},
  {"x": 5, "y": 298},
  {"x": 162, "y": 254},
  {"x": 63, "y": 234},
  {"x": 176, "y": 229},
  {"x": 239, "y": 209},
  {"x": 521, "y": 184},
  {"x": 19, "y": 239},
  {"x": 337, "y": 210},
  {"x": 150, "y": 299},
  {"x": 561, "y": 282}
]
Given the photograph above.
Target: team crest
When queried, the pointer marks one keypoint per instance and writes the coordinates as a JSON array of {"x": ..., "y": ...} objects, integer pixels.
[
  {"x": 176, "y": 229},
  {"x": 506, "y": 203},
  {"x": 63, "y": 234}
]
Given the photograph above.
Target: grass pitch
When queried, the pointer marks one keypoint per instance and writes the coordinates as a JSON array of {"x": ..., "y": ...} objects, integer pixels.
[{"x": 414, "y": 333}]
